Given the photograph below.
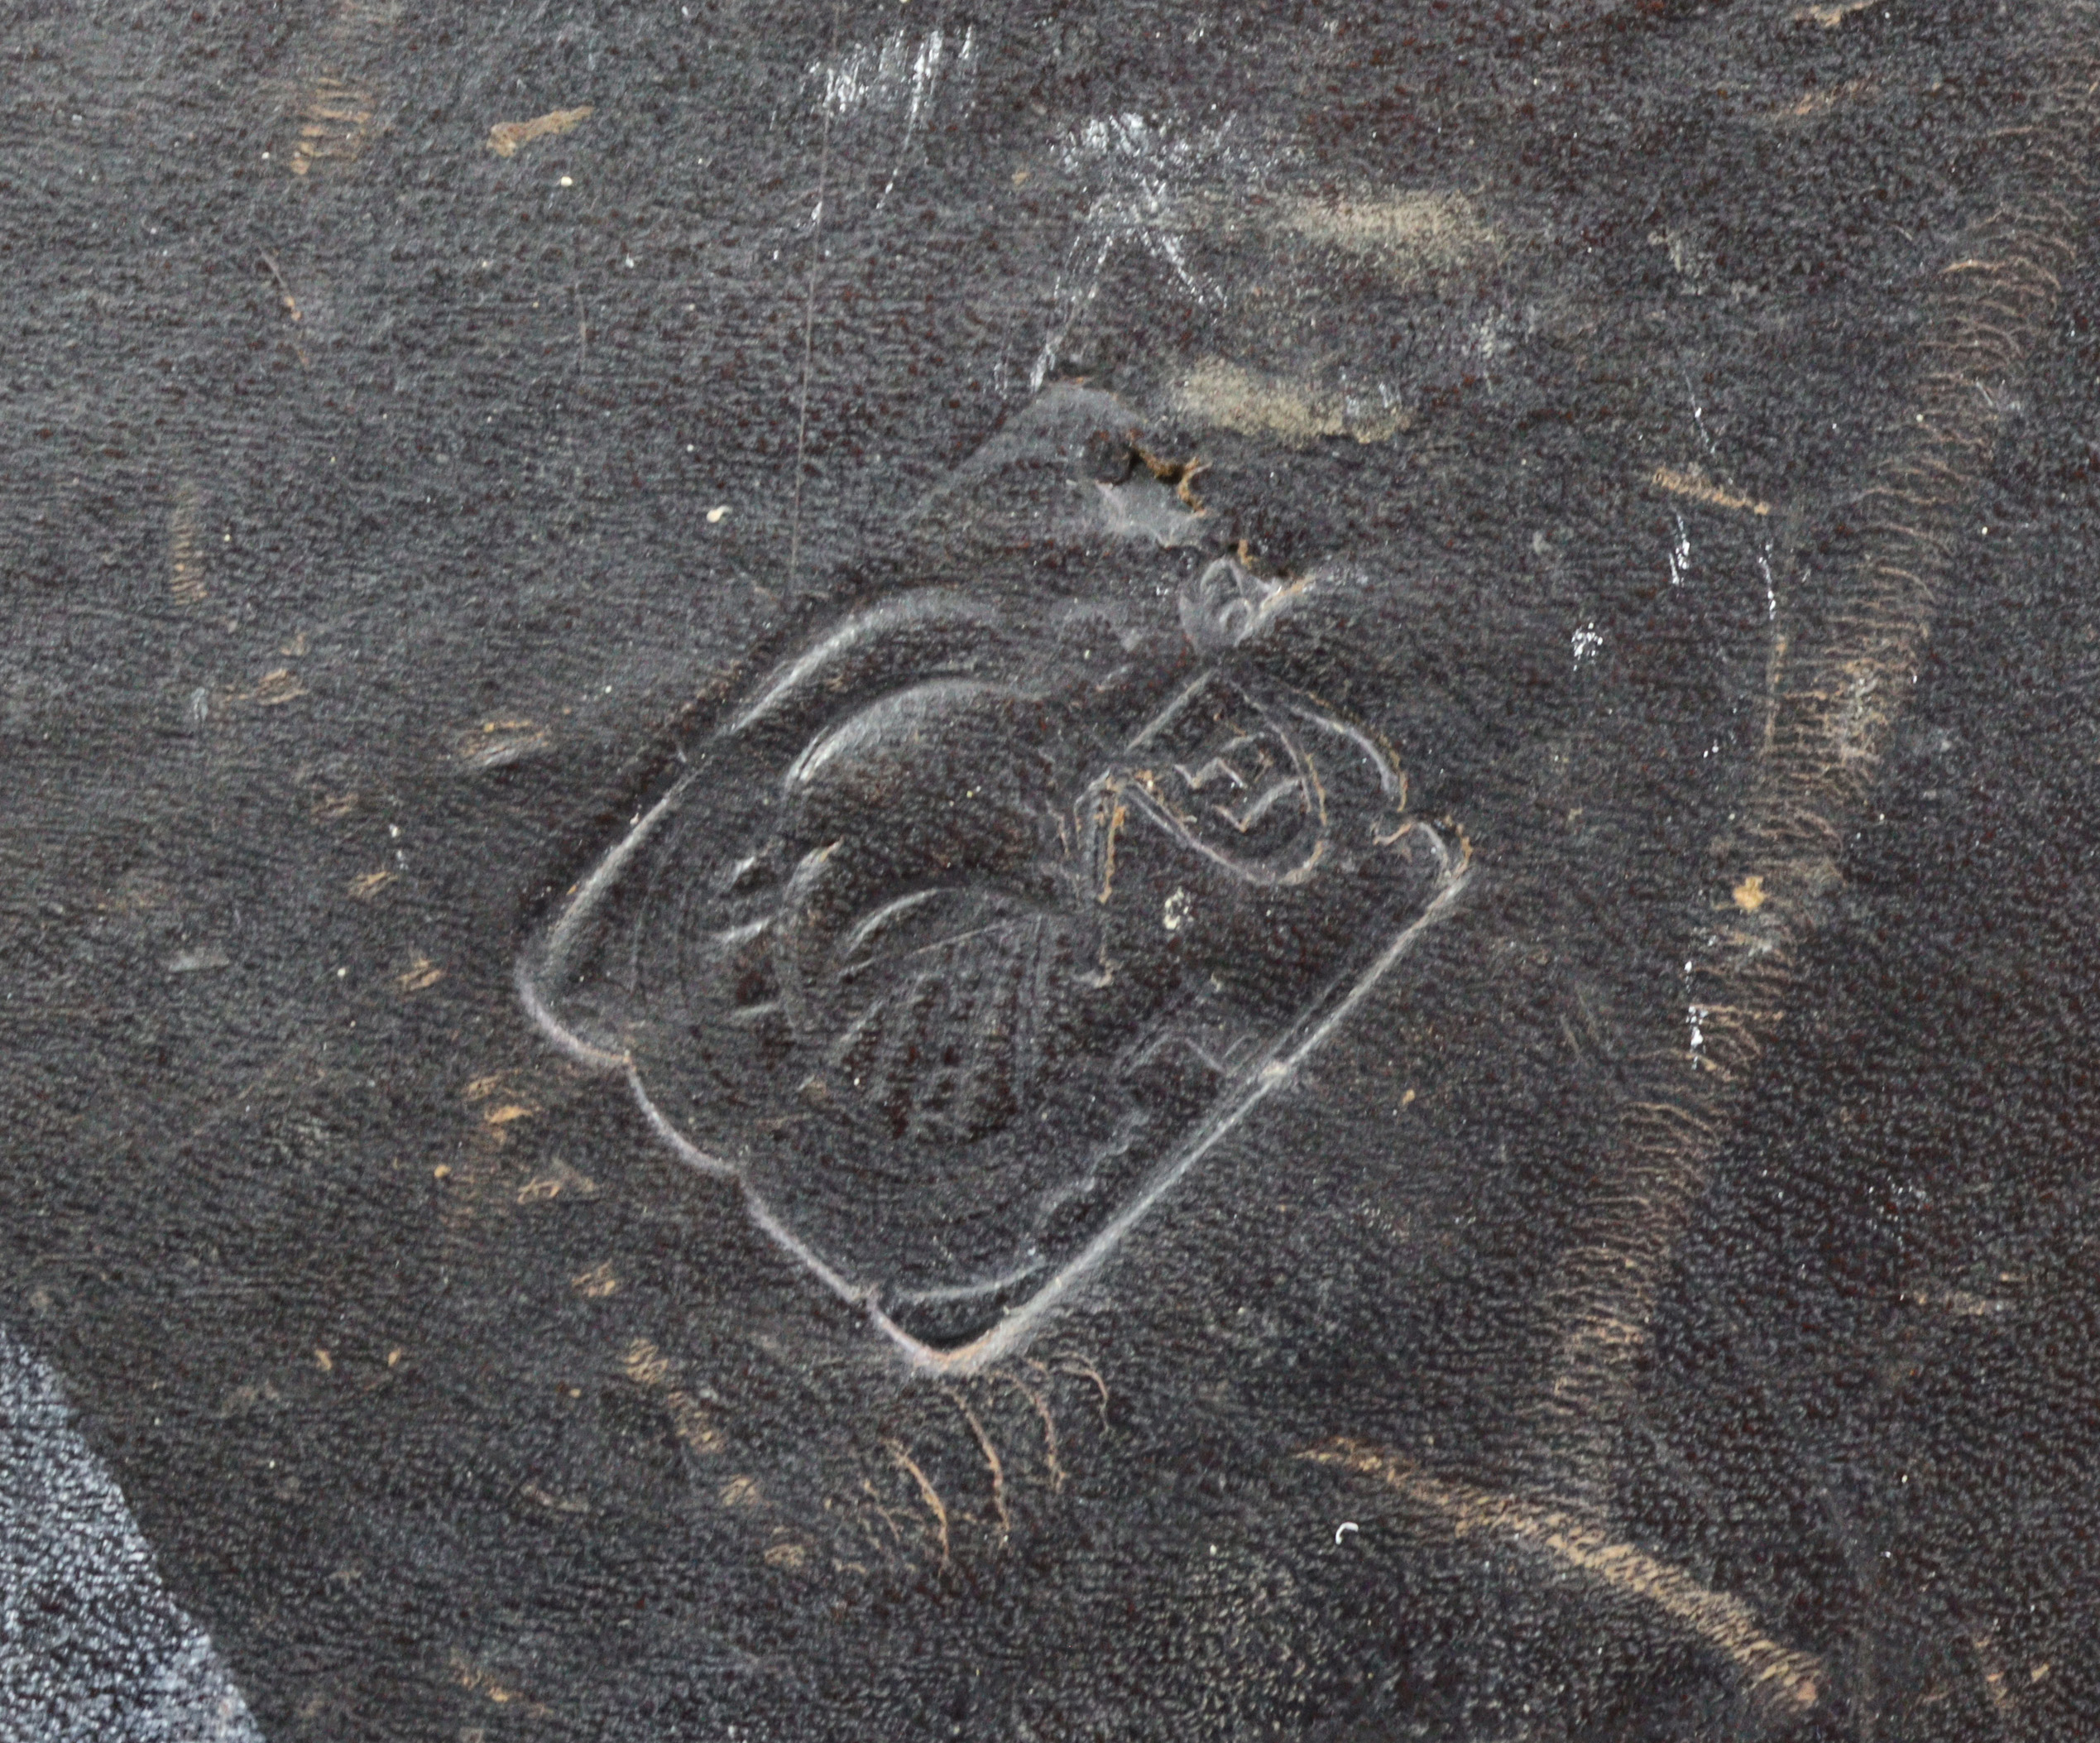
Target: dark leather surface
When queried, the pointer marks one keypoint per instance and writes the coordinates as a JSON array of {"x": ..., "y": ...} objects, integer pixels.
[{"x": 1641, "y": 451}]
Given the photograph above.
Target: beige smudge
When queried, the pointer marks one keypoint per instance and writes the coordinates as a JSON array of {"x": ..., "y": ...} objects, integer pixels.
[
  {"x": 694, "y": 1425},
  {"x": 278, "y": 687},
  {"x": 476, "y": 1680},
  {"x": 1228, "y": 396},
  {"x": 559, "y": 1181},
  {"x": 595, "y": 1284},
  {"x": 333, "y": 122},
  {"x": 1691, "y": 482},
  {"x": 186, "y": 544},
  {"x": 647, "y": 1365},
  {"x": 1818, "y": 102},
  {"x": 1414, "y": 234},
  {"x": 363, "y": 889},
  {"x": 1773, "y": 1672},
  {"x": 505, "y": 136},
  {"x": 927, "y": 1493},
  {"x": 420, "y": 974},
  {"x": 483, "y": 1180},
  {"x": 1992, "y": 1662}
]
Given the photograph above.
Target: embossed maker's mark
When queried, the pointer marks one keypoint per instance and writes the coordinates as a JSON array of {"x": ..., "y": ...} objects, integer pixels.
[{"x": 975, "y": 927}]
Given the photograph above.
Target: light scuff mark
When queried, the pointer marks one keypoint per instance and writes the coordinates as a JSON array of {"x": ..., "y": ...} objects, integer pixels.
[
  {"x": 898, "y": 74},
  {"x": 497, "y": 744},
  {"x": 1231, "y": 397},
  {"x": 1831, "y": 17},
  {"x": 1822, "y": 101},
  {"x": 1688, "y": 260}
]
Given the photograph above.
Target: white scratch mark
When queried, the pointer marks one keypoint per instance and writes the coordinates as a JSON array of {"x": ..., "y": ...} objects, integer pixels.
[
  {"x": 1699, "y": 414},
  {"x": 1145, "y": 175},
  {"x": 898, "y": 75}
]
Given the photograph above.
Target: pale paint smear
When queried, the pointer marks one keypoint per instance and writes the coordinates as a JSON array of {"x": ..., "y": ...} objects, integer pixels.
[
  {"x": 1228, "y": 396},
  {"x": 1414, "y": 233}
]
